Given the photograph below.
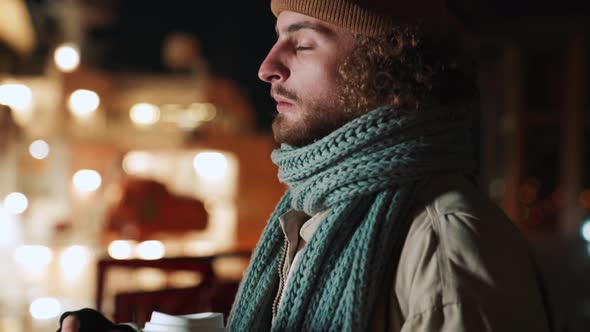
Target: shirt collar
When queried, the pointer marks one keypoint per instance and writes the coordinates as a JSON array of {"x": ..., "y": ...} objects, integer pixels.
[
  {"x": 311, "y": 225},
  {"x": 296, "y": 223}
]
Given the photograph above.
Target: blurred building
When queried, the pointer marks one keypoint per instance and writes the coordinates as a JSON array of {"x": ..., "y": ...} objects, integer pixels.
[{"x": 118, "y": 148}]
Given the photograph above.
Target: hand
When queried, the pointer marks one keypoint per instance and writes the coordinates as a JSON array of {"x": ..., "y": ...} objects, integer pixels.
[
  {"x": 89, "y": 320},
  {"x": 70, "y": 324}
]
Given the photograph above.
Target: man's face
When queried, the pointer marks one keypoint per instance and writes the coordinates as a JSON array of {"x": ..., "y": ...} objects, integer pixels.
[{"x": 302, "y": 68}]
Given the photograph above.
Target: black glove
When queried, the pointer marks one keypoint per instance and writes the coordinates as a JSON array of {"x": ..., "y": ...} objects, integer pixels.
[{"x": 93, "y": 321}]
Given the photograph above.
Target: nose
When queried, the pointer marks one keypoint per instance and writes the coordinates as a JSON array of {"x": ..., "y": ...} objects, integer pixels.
[{"x": 273, "y": 69}]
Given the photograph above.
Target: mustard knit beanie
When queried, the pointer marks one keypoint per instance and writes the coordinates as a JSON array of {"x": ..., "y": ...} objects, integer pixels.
[{"x": 366, "y": 17}]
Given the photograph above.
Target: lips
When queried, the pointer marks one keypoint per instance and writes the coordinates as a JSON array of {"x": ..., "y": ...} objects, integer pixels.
[
  {"x": 284, "y": 107},
  {"x": 283, "y": 104}
]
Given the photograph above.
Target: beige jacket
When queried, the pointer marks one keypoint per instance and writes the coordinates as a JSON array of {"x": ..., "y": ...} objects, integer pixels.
[{"x": 463, "y": 267}]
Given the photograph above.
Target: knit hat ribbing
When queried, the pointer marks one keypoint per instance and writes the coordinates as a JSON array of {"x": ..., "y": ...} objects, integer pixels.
[
  {"x": 343, "y": 13},
  {"x": 366, "y": 17}
]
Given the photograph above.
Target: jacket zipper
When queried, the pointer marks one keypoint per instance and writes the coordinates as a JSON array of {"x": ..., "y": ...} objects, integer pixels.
[{"x": 275, "y": 306}]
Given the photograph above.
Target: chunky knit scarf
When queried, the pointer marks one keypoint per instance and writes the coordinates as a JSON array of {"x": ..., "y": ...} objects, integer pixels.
[{"x": 365, "y": 174}]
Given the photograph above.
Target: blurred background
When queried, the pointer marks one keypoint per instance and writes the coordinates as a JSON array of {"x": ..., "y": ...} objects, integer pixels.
[{"x": 135, "y": 139}]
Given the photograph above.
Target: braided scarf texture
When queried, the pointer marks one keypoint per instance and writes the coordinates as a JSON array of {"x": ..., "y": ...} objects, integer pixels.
[{"x": 365, "y": 173}]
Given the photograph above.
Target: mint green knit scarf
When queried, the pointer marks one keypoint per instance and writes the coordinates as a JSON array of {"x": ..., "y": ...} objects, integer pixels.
[{"x": 365, "y": 174}]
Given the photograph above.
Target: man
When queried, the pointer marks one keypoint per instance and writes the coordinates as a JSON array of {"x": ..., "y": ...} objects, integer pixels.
[{"x": 380, "y": 229}]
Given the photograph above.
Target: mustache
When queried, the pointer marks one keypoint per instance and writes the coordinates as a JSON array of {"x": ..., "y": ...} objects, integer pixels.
[{"x": 279, "y": 90}]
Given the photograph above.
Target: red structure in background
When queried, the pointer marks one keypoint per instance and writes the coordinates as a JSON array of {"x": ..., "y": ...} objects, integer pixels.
[
  {"x": 211, "y": 294},
  {"x": 147, "y": 208}
]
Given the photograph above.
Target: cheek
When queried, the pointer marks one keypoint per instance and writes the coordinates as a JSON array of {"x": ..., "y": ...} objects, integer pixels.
[{"x": 318, "y": 81}]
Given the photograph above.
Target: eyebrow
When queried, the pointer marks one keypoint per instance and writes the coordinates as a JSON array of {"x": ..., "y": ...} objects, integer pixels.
[{"x": 292, "y": 28}]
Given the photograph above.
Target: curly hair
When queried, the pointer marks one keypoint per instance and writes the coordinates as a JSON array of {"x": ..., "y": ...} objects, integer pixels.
[{"x": 406, "y": 70}]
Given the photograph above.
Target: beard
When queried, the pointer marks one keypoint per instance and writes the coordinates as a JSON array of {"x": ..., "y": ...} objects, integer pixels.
[{"x": 315, "y": 120}]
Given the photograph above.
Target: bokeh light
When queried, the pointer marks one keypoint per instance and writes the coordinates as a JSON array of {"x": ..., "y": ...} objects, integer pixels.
[
  {"x": 83, "y": 103},
  {"x": 195, "y": 115},
  {"x": 33, "y": 257},
  {"x": 67, "y": 57},
  {"x": 45, "y": 308},
  {"x": 137, "y": 162},
  {"x": 73, "y": 260},
  {"x": 151, "y": 250},
  {"x": 18, "y": 96},
  {"x": 144, "y": 115},
  {"x": 87, "y": 180},
  {"x": 10, "y": 228},
  {"x": 39, "y": 149},
  {"x": 121, "y": 249},
  {"x": 150, "y": 279},
  {"x": 210, "y": 165},
  {"x": 585, "y": 230},
  {"x": 16, "y": 203}
]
